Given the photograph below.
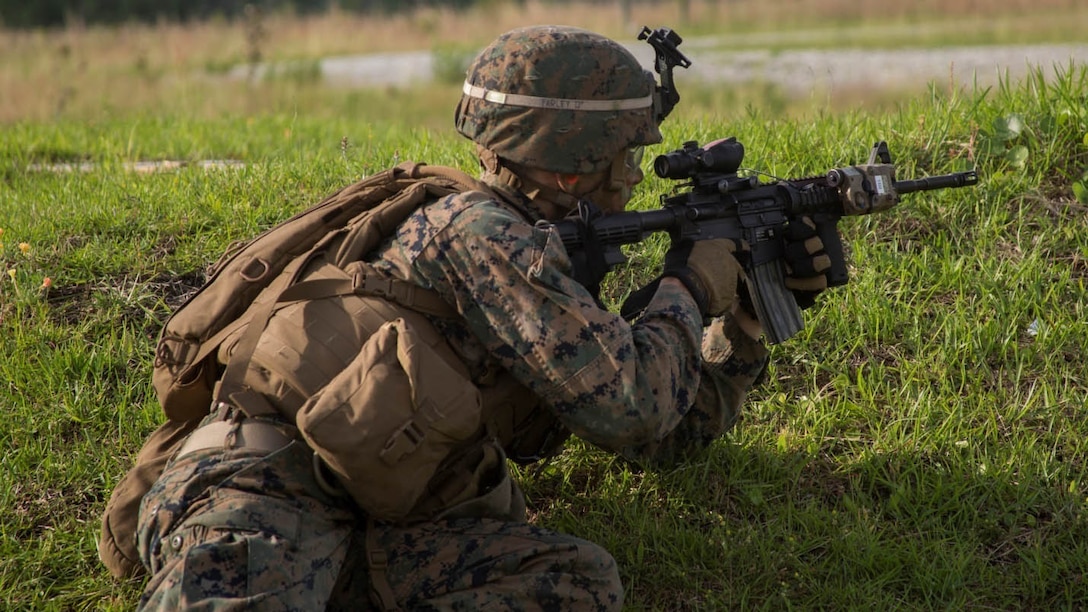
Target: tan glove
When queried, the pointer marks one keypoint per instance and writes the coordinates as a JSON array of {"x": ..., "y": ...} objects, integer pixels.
[
  {"x": 709, "y": 270},
  {"x": 806, "y": 261}
]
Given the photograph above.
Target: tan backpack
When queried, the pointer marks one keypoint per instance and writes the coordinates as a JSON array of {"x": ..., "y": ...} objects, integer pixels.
[
  {"x": 185, "y": 371},
  {"x": 240, "y": 295}
]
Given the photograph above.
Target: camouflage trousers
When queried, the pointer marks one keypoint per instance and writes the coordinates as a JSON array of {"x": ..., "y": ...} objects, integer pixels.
[{"x": 233, "y": 529}]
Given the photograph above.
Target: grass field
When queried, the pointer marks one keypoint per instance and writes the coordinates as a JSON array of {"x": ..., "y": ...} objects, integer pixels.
[
  {"x": 920, "y": 445},
  {"x": 89, "y": 73}
]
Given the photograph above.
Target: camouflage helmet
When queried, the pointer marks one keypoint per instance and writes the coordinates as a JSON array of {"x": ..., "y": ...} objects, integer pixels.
[{"x": 557, "y": 98}]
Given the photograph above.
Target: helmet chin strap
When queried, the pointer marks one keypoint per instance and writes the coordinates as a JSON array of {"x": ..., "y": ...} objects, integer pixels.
[
  {"x": 563, "y": 195},
  {"x": 542, "y": 196},
  {"x": 617, "y": 178}
]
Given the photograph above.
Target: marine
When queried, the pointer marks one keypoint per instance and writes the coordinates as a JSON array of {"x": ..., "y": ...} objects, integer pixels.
[{"x": 364, "y": 463}]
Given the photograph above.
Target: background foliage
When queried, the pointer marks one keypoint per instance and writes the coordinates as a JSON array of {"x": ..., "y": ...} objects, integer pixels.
[
  {"x": 51, "y": 13},
  {"x": 18, "y": 13}
]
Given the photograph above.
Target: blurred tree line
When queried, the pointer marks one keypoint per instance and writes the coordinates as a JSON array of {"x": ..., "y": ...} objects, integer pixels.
[{"x": 44, "y": 13}]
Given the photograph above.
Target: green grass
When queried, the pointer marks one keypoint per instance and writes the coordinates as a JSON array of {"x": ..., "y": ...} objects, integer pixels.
[{"x": 916, "y": 446}]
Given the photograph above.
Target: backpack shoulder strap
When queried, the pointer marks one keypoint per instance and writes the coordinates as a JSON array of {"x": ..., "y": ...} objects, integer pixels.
[{"x": 413, "y": 184}]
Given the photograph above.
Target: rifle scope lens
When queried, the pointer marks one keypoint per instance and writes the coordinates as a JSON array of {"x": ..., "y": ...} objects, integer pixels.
[
  {"x": 722, "y": 156},
  {"x": 675, "y": 165}
]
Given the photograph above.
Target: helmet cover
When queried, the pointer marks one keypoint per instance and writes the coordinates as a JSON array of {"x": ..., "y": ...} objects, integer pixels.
[{"x": 557, "y": 98}]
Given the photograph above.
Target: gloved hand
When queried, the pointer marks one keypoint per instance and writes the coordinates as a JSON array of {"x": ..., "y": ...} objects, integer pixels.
[
  {"x": 709, "y": 270},
  {"x": 806, "y": 261}
]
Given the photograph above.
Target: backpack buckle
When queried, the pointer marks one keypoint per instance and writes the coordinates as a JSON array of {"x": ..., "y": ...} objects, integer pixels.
[{"x": 372, "y": 284}]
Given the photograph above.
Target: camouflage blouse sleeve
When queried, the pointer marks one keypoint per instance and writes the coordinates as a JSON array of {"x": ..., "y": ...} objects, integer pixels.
[
  {"x": 732, "y": 362},
  {"x": 611, "y": 383}
]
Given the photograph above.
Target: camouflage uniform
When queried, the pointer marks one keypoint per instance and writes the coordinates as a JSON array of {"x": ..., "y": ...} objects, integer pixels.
[
  {"x": 237, "y": 529},
  {"x": 640, "y": 380},
  {"x": 232, "y": 528},
  {"x": 626, "y": 388}
]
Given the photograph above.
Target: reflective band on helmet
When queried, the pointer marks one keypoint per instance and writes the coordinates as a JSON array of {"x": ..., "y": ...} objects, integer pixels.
[{"x": 497, "y": 97}]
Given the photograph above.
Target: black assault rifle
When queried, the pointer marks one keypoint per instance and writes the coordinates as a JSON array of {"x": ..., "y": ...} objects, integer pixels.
[{"x": 717, "y": 202}]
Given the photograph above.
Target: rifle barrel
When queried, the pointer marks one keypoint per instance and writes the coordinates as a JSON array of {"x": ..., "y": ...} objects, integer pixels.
[{"x": 944, "y": 181}]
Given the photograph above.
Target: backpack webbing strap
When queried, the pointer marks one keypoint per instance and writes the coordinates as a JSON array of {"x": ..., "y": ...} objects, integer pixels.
[
  {"x": 377, "y": 561},
  {"x": 366, "y": 282},
  {"x": 232, "y": 388}
]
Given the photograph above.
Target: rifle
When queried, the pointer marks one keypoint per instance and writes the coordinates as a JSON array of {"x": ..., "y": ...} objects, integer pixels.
[{"x": 715, "y": 201}]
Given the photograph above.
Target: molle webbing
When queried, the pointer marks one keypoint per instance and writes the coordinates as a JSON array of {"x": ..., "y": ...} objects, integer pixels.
[
  {"x": 307, "y": 342},
  {"x": 360, "y": 238},
  {"x": 365, "y": 282}
]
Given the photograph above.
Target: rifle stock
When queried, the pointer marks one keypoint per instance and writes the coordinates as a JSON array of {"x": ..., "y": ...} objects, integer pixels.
[{"x": 714, "y": 201}]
